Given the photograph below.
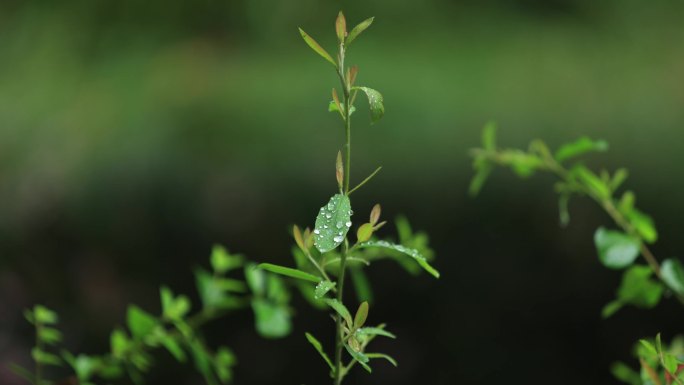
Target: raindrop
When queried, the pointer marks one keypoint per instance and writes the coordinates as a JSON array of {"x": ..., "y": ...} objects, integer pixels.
[
  {"x": 317, "y": 231},
  {"x": 348, "y": 224}
]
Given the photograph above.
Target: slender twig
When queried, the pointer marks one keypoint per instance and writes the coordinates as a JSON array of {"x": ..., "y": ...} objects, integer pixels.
[
  {"x": 607, "y": 204},
  {"x": 339, "y": 328},
  {"x": 39, "y": 347},
  {"x": 369, "y": 177}
]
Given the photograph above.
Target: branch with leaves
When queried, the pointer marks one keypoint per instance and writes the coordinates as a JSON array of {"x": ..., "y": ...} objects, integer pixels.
[
  {"x": 174, "y": 330},
  {"x": 642, "y": 285},
  {"x": 325, "y": 255}
]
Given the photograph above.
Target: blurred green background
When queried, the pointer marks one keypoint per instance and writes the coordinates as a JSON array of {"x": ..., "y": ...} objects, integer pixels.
[{"x": 134, "y": 135}]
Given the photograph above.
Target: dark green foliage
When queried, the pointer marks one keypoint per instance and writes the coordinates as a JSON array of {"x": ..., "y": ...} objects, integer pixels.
[
  {"x": 642, "y": 286},
  {"x": 175, "y": 330}
]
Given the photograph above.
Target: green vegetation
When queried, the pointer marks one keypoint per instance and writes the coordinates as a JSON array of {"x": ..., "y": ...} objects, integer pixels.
[
  {"x": 643, "y": 285},
  {"x": 327, "y": 251},
  {"x": 175, "y": 329}
]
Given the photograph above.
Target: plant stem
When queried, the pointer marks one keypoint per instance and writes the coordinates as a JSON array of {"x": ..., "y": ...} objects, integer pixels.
[
  {"x": 339, "y": 327},
  {"x": 39, "y": 346},
  {"x": 339, "y": 343}
]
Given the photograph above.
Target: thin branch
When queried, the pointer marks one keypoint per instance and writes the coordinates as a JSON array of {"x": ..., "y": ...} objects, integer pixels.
[{"x": 369, "y": 177}]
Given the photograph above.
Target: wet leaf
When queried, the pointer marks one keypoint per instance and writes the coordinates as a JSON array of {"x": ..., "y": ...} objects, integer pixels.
[
  {"x": 332, "y": 223},
  {"x": 413, "y": 253},
  {"x": 375, "y": 101}
]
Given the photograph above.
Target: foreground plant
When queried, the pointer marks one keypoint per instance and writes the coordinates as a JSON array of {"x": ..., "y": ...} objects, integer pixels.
[
  {"x": 642, "y": 285},
  {"x": 174, "y": 330},
  {"x": 326, "y": 254}
]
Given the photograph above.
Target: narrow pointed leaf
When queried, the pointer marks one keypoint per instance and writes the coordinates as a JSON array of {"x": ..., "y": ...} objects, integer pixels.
[
  {"x": 579, "y": 147},
  {"x": 413, "y": 253},
  {"x": 341, "y": 27},
  {"x": 322, "y": 288},
  {"x": 356, "y": 31},
  {"x": 375, "y": 331},
  {"x": 340, "y": 309},
  {"x": 382, "y": 355},
  {"x": 317, "y": 47},
  {"x": 332, "y": 223},
  {"x": 375, "y": 102},
  {"x": 319, "y": 348},
  {"x": 289, "y": 272},
  {"x": 489, "y": 136},
  {"x": 361, "y": 315},
  {"x": 360, "y": 357}
]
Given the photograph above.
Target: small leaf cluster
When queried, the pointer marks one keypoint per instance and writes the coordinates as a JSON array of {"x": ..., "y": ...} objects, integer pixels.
[
  {"x": 618, "y": 248},
  {"x": 659, "y": 364},
  {"x": 175, "y": 329},
  {"x": 642, "y": 285}
]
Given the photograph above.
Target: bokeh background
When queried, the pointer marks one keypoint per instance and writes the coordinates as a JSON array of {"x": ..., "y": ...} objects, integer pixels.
[{"x": 135, "y": 135}]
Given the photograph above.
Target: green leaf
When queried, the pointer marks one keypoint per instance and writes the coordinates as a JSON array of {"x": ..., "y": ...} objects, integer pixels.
[
  {"x": 422, "y": 261},
  {"x": 358, "y": 356},
  {"x": 482, "y": 170},
  {"x": 375, "y": 101},
  {"x": 332, "y": 224},
  {"x": 643, "y": 224},
  {"x": 173, "y": 308},
  {"x": 670, "y": 363},
  {"x": 374, "y": 331},
  {"x": 618, "y": 178},
  {"x": 174, "y": 348},
  {"x": 212, "y": 293},
  {"x": 361, "y": 315},
  {"x": 356, "y": 31},
  {"x": 382, "y": 355},
  {"x": 332, "y": 107},
  {"x": 289, "y": 272},
  {"x": 611, "y": 308},
  {"x": 84, "y": 366},
  {"x": 638, "y": 289},
  {"x": 49, "y": 335},
  {"x": 672, "y": 272},
  {"x": 224, "y": 360},
  {"x": 140, "y": 322},
  {"x": 44, "y": 315},
  {"x": 364, "y": 232},
  {"x": 489, "y": 136},
  {"x": 322, "y": 288},
  {"x": 625, "y": 374},
  {"x": 319, "y": 348},
  {"x": 271, "y": 320},
  {"x": 616, "y": 249},
  {"x": 595, "y": 184},
  {"x": 340, "y": 309},
  {"x": 648, "y": 347},
  {"x": 222, "y": 261},
  {"x": 43, "y": 357},
  {"x": 118, "y": 343},
  {"x": 316, "y": 47},
  {"x": 202, "y": 359},
  {"x": 579, "y": 147}
]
